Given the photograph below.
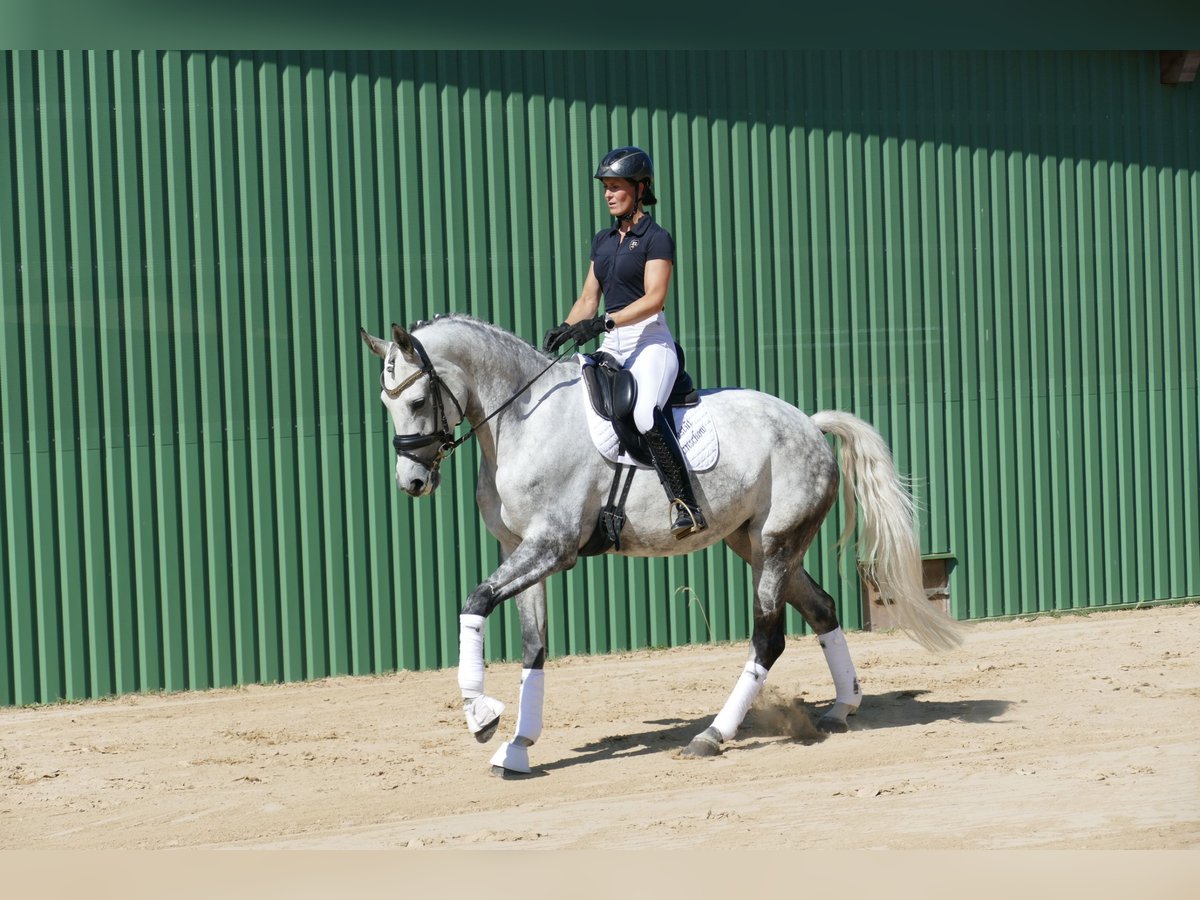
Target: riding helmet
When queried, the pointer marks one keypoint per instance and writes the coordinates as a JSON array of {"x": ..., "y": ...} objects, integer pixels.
[{"x": 632, "y": 164}]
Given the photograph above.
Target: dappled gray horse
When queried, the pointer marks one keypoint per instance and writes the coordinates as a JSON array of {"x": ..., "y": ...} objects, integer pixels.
[{"x": 542, "y": 484}]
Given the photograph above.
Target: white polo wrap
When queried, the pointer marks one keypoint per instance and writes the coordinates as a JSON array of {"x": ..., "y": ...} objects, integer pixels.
[
  {"x": 837, "y": 656},
  {"x": 513, "y": 757},
  {"x": 529, "y": 713},
  {"x": 748, "y": 685},
  {"x": 470, "y": 655}
]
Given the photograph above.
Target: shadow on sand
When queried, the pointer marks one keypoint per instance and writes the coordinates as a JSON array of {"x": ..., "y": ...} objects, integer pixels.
[
  {"x": 897, "y": 709},
  {"x": 775, "y": 716}
]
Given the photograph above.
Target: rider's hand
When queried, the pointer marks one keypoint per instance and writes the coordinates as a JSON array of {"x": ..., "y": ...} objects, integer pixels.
[
  {"x": 587, "y": 330},
  {"x": 555, "y": 337}
]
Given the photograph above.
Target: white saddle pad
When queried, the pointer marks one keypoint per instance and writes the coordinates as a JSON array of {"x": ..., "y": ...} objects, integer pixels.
[{"x": 694, "y": 425}]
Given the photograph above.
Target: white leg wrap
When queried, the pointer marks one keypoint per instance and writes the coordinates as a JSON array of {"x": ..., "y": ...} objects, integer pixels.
[
  {"x": 837, "y": 656},
  {"x": 481, "y": 712},
  {"x": 470, "y": 656},
  {"x": 529, "y": 714},
  {"x": 512, "y": 756},
  {"x": 480, "y": 709},
  {"x": 748, "y": 685}
]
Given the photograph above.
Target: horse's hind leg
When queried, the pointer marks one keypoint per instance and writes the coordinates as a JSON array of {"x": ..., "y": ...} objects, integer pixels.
[
  {"x": 766, "y": 645},
  {"x": 817, "y": 607}
]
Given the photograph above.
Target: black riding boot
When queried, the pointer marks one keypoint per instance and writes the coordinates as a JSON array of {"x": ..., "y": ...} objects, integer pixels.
[{"x": 674, "y": 475}]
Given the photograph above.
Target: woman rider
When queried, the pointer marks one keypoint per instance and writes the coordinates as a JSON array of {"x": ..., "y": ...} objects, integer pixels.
[{"x": 631, "y": 265}]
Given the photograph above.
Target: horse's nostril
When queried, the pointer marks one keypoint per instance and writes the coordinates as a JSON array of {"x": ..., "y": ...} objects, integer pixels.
[{"x": 414, "y": 486}]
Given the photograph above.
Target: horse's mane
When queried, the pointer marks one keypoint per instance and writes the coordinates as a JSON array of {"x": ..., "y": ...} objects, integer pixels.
[{"x": 493, "y": 333}]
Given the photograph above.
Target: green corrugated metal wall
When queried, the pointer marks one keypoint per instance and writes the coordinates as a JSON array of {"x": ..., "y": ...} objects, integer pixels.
[{"x": 993, "y": 257}]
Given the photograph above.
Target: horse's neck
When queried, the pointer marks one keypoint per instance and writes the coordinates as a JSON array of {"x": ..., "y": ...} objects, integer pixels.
[{"x": 493, "y": 364}]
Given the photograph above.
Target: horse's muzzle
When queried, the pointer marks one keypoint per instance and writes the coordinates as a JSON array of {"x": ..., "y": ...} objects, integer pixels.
[{"x": 418, "y": 487}]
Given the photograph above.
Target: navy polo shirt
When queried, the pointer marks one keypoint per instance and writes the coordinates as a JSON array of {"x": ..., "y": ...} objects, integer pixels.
[{"x": 620, "y": 266}]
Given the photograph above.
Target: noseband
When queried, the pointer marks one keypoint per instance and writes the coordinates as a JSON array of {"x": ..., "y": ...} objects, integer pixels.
[{"x": 444, "y": 437}]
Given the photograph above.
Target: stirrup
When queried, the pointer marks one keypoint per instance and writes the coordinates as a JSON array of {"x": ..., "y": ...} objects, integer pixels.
[{"x": 689, "y": 521}]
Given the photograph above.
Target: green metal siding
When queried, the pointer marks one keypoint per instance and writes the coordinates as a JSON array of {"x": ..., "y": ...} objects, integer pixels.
[{"x": 992, "y": 257}]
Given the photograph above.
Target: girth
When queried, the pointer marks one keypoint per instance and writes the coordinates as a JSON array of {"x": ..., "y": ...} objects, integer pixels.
[{"x": 607, "y": 533}]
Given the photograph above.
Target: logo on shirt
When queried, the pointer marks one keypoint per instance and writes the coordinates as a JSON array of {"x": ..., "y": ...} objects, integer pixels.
[{"x": 633, "y": 244}]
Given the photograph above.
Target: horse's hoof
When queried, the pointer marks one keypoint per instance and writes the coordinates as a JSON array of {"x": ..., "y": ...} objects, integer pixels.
[
  {"x": 834, "y": 720},
  {"x": 484, "y": 734},
  {"x": 509, "y": 774},
  {"x": 483, "y": 716},
  {"x": 705, "y": 744},
  {"x": 512, "y": 759}
]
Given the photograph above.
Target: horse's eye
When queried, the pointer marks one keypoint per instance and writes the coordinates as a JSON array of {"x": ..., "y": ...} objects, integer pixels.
[{"x": 414, "y": 405}]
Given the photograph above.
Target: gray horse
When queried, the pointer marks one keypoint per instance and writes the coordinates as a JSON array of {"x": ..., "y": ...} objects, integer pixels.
[{"x": 542, "y": 484}]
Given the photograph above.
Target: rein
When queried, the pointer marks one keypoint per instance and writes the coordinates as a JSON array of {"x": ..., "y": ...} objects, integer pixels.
[{"x": 404, "y": 443}]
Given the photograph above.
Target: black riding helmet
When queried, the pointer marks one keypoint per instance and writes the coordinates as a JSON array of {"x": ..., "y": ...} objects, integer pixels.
[{"x": 632, "y": 164}]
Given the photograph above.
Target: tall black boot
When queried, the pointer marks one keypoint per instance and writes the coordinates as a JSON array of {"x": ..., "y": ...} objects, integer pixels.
[{"x": 674, "y": 475}]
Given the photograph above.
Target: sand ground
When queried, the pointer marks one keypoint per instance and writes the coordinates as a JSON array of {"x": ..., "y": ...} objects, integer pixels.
[{"x": 1079, "y": 732}]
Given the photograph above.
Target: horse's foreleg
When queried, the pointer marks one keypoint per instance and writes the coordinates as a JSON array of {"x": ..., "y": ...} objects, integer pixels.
[
  {"x": 482, "y": 712},
  {"x": 528, "y": 565},
  {"x": 512, "y": 759}
]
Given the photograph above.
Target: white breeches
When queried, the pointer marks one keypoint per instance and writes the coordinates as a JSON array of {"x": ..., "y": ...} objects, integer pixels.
[{"x": 647, "y": 350}]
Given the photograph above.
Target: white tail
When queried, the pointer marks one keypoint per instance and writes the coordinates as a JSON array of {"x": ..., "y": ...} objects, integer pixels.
[{"x": 889, "y": 550}]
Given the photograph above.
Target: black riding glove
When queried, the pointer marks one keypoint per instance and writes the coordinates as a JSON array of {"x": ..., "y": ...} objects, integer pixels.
[
  {"x": 555, "y": 337},
  {"x": 585, "y": 331}
]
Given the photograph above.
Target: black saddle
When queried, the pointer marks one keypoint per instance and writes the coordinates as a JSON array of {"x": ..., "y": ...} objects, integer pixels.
[{"x": 613, "y": 393}]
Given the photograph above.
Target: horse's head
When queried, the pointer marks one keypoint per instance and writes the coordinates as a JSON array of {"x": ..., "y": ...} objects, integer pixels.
[{"x": 415, "y": 396}]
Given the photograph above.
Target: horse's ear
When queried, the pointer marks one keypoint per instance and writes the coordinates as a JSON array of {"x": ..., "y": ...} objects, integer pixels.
[
  {"x": 403, "y": 340},
  {"x": 378, "y": 346}
]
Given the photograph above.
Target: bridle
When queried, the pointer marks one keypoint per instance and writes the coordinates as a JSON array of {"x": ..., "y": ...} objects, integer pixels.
[{"x": 444, "y": 436}]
